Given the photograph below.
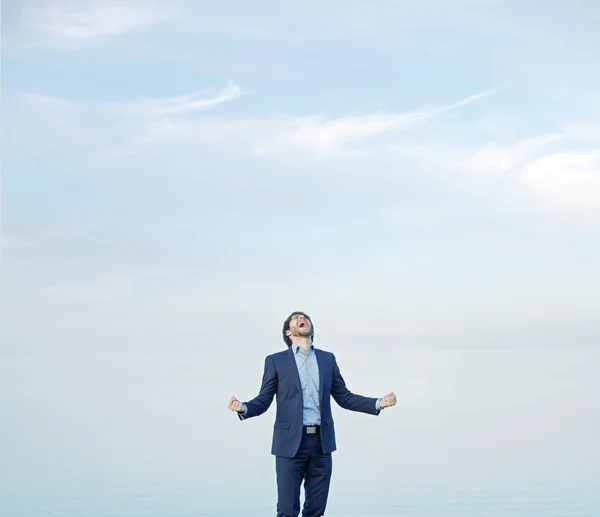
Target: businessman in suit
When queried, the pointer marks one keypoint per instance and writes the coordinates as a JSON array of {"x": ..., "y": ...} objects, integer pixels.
[{"x": 303, "y": 378}]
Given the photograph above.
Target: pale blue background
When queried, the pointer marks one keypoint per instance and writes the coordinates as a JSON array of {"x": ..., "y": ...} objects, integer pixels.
[{"x": 422, "y": 178}]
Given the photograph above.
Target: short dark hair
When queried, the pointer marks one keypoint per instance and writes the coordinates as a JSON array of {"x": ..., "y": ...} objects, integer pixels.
[{"x": 286, "y": 327}]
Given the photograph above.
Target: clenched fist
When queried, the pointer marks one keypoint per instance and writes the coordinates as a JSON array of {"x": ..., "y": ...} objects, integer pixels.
[
  {"x": 236, "y": 405},
  {"x": 388, "y": 400}
]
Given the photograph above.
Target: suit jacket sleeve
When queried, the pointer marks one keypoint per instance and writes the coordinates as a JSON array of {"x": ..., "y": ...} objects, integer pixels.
[
  {"x": 348, "y": 400},
  {"x": 259, "y": 404}
]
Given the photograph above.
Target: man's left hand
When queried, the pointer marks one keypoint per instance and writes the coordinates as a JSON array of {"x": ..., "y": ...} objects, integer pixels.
[{"x": 388, "y": 400}]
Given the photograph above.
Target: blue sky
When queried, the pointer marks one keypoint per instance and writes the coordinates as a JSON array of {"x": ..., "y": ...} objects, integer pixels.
[
  {"x": 375, "y": 154},
  {"x": 417, "y": 176}
]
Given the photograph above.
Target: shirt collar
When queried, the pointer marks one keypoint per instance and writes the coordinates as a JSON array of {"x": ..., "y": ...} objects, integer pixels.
[{"x": 296, "y": 346}]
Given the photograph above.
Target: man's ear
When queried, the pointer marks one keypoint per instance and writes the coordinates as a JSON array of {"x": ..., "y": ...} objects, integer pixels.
[{"x": 288, "y": 332}]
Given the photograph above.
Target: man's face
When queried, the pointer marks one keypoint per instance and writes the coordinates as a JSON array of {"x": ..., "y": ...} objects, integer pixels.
[{"x": 300, "y": 326}]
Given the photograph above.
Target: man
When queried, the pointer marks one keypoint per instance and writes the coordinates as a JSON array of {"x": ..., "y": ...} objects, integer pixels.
[{"x": 303, "y": 378}]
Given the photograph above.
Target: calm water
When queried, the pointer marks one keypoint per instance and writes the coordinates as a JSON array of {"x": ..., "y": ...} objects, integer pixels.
[
  {"x": 515, "y": 435},
  {"x": 156, "y": 501}
]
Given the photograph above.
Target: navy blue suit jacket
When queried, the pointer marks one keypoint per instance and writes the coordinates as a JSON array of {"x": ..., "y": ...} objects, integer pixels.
[{"x": 281, "y": 378}]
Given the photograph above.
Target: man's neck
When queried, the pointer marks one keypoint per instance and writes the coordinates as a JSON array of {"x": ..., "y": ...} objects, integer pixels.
[{"x": 303, "y": 342}]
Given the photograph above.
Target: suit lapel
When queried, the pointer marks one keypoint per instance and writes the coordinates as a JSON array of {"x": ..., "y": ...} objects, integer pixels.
[
  {"x": 321, "y": 365},
  {"x": 294, "y": 369}
]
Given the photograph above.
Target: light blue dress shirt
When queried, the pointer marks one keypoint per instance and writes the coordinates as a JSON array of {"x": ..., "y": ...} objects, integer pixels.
[{"x": 308, "y": 370}]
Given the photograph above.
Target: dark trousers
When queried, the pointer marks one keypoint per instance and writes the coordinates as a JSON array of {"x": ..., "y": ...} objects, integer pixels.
[{"x": 311, "y": 466}]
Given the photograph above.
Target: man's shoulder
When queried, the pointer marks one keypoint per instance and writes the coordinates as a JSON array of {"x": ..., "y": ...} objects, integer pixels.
[{"x": 276, "y": 356}]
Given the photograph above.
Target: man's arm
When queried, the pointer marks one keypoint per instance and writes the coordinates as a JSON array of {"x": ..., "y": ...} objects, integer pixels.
[
  {"x": 348, "y": 400},
  {"x": 258, "y": 405}
]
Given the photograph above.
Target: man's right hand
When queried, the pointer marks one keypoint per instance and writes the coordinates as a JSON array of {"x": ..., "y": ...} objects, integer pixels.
[{"x": 236, "y": 405}]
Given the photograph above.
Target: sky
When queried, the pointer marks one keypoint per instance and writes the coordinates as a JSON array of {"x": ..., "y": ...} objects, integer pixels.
[{"x": 422, "y": 178}]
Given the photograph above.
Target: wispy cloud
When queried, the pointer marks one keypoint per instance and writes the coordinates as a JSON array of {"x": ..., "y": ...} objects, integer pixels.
[
  {"x": 311, "y": 136},
  {"x": 495, "y": 158},
  {"x": 156, "y": 107},
  {"x": 181, "y": 104},
  {"x": 78, "y": 22},
  {"x": 266, "y": 136},
  {"x": 545, "y": 165},
  {"x": 323, "y": 135}
]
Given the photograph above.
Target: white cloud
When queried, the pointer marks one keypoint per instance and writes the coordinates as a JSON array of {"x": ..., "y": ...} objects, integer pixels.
[
  {"x": 149, "y": 121},
  {"x": 566, "y": 181},
  {"x": 156, "y": 107},
  {"x": 325, "y": 135},
  {"x": 307, "y": 136},
  {"x": 181, "y": 104},
  {"x": 560, "y": 170},
  {"x": 544, "y": 164},
  {"x": 117, "y": 129},
  {"x": 494, "y": 158},
  {"x": 79, "y": 21}
]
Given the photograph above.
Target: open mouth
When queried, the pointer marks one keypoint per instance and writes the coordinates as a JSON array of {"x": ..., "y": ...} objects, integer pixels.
[{"x": 302, "y": 324}]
